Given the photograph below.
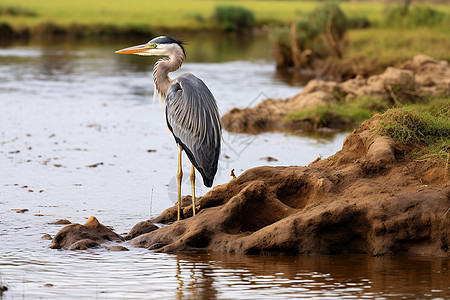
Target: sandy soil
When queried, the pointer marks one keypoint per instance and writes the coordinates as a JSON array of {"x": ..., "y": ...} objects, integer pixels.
[{"x": 367, "y": 198}]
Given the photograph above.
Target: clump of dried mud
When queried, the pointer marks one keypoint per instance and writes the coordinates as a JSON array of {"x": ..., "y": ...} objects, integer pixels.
[
  {"x": 81, "y": 237},
  {"x": 416, "y": 78}
]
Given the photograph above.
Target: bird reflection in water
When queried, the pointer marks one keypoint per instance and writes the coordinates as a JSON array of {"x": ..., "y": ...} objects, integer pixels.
[{"x": 200, "y": 282}]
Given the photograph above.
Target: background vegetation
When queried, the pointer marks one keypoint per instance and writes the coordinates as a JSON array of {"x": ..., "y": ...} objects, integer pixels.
[
  {"x": 372, "y": 30},
  {"x": 177, "y": 14},
  {"x": 316, "y": 35},
  {"x": 233, "y": 18},
  {"x": 388, "y": 33}
]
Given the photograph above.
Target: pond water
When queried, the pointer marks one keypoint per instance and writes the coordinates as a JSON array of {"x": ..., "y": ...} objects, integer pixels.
[{"x": 80, "y": 136}]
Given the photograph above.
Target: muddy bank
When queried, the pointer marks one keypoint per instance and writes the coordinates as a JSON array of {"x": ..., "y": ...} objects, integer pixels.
[
  {"x": 367, "y": 198},
  {"x": 416, "y": 79}
]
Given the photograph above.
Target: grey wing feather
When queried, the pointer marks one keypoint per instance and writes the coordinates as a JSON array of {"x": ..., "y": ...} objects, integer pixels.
[{"x": 193, "y": 118}]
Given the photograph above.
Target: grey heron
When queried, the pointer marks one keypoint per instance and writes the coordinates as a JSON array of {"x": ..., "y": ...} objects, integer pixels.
[{"x": 191, "y": 111}]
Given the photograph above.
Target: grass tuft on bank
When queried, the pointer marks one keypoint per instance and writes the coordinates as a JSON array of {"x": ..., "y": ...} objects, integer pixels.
[{"x": 423, "y": 125}]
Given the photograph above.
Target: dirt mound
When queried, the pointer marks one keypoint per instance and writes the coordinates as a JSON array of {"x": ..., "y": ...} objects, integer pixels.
[
  {"x": 367, "y": 198},
  {"x": 81, "y": 237},
  {"x": 421, "y": 76}
]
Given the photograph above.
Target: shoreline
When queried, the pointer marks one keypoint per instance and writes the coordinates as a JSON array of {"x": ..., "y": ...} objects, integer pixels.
[{"x": 75, "y": 31}]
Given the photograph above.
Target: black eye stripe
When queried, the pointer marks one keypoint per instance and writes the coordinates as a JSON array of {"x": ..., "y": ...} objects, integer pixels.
[{"x": 167, "y": 40}]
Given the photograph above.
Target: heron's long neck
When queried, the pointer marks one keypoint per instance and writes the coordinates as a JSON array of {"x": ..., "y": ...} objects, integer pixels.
[{"x": 163, "y": 67}]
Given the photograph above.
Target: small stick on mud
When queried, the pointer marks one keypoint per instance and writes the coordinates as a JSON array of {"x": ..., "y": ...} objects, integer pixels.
[{"x": 151, "y": 202}]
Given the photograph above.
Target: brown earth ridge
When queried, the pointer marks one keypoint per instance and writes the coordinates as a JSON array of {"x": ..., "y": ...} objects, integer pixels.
[
  {"x": 370, "y": 197},
  {"x": 421, "y": 76}
]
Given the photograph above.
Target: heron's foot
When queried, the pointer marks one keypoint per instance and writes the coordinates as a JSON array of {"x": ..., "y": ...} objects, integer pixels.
[{"x": 195, "y": 210}]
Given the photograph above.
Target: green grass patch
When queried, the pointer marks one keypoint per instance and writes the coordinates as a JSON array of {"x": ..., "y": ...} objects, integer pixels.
[
  {"x": 347, "y": 114},
  {"x": 388, "y": 45},
  {"x": 425, "y": 126},
  {"x": 320, "y": 116},
  {"x": 177, "y": 14}
]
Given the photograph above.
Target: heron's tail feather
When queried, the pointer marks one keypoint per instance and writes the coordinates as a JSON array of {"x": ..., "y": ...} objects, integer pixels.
[{"x": 208, "y": 182}]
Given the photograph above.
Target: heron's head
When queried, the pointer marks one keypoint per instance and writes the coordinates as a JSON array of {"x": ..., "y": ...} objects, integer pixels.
[{"x": 161, "y": 45}]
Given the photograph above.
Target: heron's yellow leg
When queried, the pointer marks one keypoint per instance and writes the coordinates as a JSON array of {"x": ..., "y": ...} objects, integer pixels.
[
  {"x": 179, "y": 177},
  {"x": 193, "y": 189}
]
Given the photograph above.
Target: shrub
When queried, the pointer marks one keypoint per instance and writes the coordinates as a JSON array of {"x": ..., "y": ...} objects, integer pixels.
[
  {"x": 6, "y": 31},
  {"x": 281, "y": 46},
  {"x": 233, "y": 18},
  {"x": 318, "y": 35}
]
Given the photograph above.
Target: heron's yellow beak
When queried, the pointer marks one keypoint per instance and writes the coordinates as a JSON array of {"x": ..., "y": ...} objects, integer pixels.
[{"x": 134, "y": 50}]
